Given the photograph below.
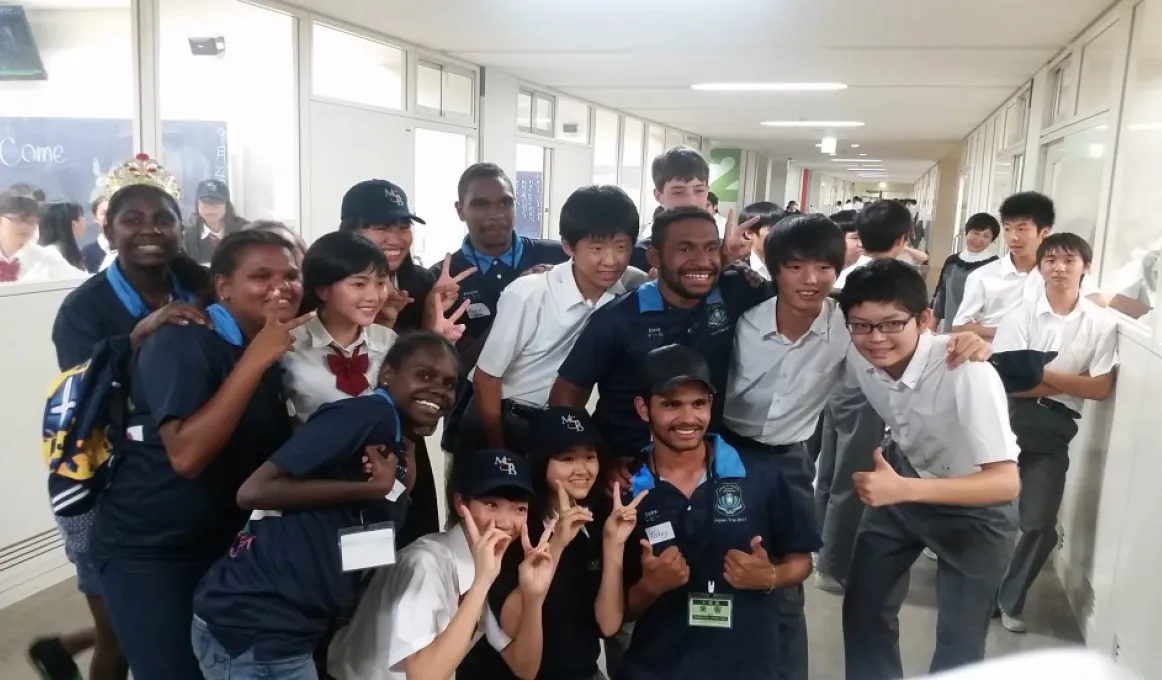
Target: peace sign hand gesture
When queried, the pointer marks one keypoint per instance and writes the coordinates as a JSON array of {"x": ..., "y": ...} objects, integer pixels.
[
  {"x": 571, "y": 520},
  {"x": 535, "y": 572},
  {"x": 487, "y": 548},
  {"x": 447, "y": 326},
  {"x": 394, "y": 301},
  {"x": 734, "y": 247},
  {"x": 275, "y": 337},
  {"x": 448, "y": 286},
  {"x": 623, "y": 518}
]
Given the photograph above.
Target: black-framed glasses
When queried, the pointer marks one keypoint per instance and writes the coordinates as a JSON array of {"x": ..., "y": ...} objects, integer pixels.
[{"x": 885, "y": 327}]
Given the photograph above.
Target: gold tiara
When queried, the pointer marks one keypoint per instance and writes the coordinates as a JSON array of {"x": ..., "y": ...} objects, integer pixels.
[{"x": 141, "y": 170}]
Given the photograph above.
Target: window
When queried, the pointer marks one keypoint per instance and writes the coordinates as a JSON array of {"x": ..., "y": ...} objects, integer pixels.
[
  {"x": 531, "y": 188},
  {"x": 605, "y": 147},
  {"x": 440, "y": 158},
  {"x": 1097, "y": 62},
  {"x": 345, "y": 66},
  {"x": 1072, "y": 176},
  {"x": 1063, "y": 79},
  {"x": 572, "y": 121},
  {"x": 524, "y": 111},
  {"x": 655, "y": 146},
  {"x": 694, "y": 142},
  {"x": 1130, "y": 263},
  {"x": 1017, "y": 120},
  {"x": 543, "y": 113},
  {"x": 445, "y": 91},
  {"x": 673, "y": 138},
  {"x": 630, "y": 177},
  {"x": 232, "y": 116},
  {"x": 63, "y": 134}
]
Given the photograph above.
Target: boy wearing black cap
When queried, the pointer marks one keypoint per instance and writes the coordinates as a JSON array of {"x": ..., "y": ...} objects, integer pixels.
[
  {"x": 947, "y": 479},
  {"x": 420, "y": 618},
  {"x": 719, "y": 533}
]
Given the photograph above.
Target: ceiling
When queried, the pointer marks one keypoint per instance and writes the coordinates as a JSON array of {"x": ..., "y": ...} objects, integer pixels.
[{"x": 921, "y": 73}]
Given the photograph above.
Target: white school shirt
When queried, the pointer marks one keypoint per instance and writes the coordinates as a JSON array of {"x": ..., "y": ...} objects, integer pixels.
[
  {"x": 42, "y": 263},
  {"x": 1086, "y": 339},
  {"x": 756, "y": 263},
  {"x": 538, "y": 320},
  {"x": 406, "y": 606},
  {"x": 842, "y": 278},
  {"x": 309, "y": 382},
  {"x": 947, "y": 421},
  {"x": 997, "y": 288},
  {"x": 777, "y": 388}
]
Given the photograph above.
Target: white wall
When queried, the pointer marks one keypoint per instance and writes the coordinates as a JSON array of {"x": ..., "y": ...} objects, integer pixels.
[
  {"x": 498, "y": 120},
  {"x": 777, "y": 182}
]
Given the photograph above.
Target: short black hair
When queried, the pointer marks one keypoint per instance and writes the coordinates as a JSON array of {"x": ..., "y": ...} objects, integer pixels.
[
  {"x": 663, "y": 222},
  {"x": 857, "y": 199},
  {"x": 804, "y": 237},
  {"x": 230, "y": 251},
  {"x": 1029, "y": 205},
  {"x": 845, "y": 220},
  {"x": 480, "y": 171},
  {"x": 881, "y": 225},
  {"x": 712, "y": 198},
  {"x": 983, "y": 222},
  {"x": 20, "y": 205},
  {"x": 889, "y": 281},
  {"x": 415, "y": 341},
  {"x": 680, "y": 162},
  {"x": 280, "y": 228},
  {"x": 599, "y": 211},
  {"x": 1065, "y": 242},
  {"x": 30, "y": 190},
  {"x": 768, "y": 213},
  {"x": 334, "y": 257}
]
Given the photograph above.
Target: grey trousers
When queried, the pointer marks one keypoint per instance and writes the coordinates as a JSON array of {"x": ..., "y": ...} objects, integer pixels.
[
  {"x": 974, "y": 546},
  {"x": 851, "y": 432},
  {"x": 1043, "y": 436},
  {"x": 798, "y": 470}
]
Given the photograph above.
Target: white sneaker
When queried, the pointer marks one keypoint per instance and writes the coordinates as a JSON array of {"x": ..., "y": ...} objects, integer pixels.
[
  {"x": 929, "y": 554},
  {"x": 827, "y": 583},
  {"x": 1013, "y": 624}
]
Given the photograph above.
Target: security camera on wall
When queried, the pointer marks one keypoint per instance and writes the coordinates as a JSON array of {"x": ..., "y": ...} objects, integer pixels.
[{"x": 208, "y": 47}]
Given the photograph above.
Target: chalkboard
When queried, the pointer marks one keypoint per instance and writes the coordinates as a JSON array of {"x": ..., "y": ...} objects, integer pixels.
[
  {"x": 69, "y": 157},
  {"x": 530, "y": 203}
]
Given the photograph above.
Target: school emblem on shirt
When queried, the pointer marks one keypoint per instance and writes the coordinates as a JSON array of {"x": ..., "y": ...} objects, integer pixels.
[
  {"x": 716, "y": 316},
  {"x": 729, "y": 500},
  {"x": 505, "y": 465}
]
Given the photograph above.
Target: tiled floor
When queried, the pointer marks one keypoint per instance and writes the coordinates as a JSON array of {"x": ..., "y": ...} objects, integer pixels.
[{"x": 1051, "y": 623}]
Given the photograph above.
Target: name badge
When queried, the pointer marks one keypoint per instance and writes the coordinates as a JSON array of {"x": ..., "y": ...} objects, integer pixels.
[
  {"x": 367, "y": 547},
  {"x": 478, "y": 310},
  {"x": 660, "y": 533},
  {"x": 710, "y": 611}
]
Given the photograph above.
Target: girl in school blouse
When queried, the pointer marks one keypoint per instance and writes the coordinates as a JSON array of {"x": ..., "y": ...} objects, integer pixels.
[{"x": 207, "y": 409}]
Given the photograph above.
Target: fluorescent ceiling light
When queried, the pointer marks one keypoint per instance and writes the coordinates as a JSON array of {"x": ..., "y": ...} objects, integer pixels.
[
  {"x": 855, "y": 146},
  {"x": 769, "y": 87},
  {"x": 812, "y": 123},
  {"x": 856, "y": 160},
  {"x": 827, "y": 145}
]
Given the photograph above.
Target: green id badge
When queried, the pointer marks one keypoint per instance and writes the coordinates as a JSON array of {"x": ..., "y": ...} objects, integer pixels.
[{"x": 710, "y": 611}]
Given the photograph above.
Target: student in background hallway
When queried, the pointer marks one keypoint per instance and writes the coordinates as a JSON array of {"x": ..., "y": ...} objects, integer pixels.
[
  {"x": 845, "y": 220},
  {"x": 539, "y": 318},
  {"x": 151, "y": 284},
  {"x": 263, "y": 608},
  {"x": 207, "y": 410},
  {"x": 792, "y": 206},
  {"x": 681, "y": 177},
  {"x": 755, "y": 235},
  {"x": 1044, "y": 419},
  {"x": 980, "y": 231},
  {"x": 947, "y": 479},
  {"x": 95, "y": 252},
  {"x": 851, "y": 427},
  {"x": 60, "y": 225},
  {"x": 213, "y": 220},
  {"x": 21, "y": 259},
  {"x": 712, "y": 208}
]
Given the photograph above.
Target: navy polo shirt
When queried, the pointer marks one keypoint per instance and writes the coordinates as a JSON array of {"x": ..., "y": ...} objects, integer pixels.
[
  {"x": 281, "y": 585},
  {"x": 149, "y": 511},
  {"x": 493, "y": 274},
  {"x": 611, "y": 351},
  {"x": 743, "y": 496}
]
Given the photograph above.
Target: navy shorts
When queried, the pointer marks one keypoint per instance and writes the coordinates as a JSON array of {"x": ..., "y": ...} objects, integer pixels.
[{"x": 75, "y": 532}]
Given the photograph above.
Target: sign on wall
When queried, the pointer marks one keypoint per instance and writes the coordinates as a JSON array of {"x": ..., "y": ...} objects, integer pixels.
[
  {"x": 530, "y": 203},
  {"x": 725, "y": 173}
]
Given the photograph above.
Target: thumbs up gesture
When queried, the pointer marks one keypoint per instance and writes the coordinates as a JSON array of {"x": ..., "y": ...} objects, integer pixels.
[
  {"x": 750, "y": 570},
  {"x": 665, "y": 572},
  {"x": 882, "y": 486}
]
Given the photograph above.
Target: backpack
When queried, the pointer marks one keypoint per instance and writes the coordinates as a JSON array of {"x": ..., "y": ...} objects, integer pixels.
[{"x": 83, "y": 416}]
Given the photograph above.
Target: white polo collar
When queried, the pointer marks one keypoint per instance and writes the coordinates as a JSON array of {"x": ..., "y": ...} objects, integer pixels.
[
  {"x": 563, "y": 284},
  {"x": 1044, "y": 308}
]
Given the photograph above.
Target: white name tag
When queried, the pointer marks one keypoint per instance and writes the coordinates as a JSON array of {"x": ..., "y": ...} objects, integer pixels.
[
  {"x": 367, "y": 548},
  {"x": 478, "y": 310},
  {"x": 660, "y": 533},
  {"x": 397, "y": 490}
]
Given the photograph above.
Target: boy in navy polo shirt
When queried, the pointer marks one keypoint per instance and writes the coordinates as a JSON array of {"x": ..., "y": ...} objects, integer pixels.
[
  {"x": 264, "y": 607},
  {"x": 718, "y": 532},
  {"x": 693, "y": 302}
]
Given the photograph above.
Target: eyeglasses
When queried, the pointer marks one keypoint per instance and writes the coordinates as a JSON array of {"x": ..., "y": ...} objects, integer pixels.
[{"x": 885, "y": 327}]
